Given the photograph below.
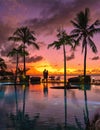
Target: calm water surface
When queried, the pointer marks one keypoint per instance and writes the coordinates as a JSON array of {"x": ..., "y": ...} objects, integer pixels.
[{"x": 47, "y": 106}]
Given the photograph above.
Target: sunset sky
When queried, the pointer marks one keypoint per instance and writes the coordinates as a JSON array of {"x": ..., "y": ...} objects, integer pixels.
[{"x": 44, "y": 17}]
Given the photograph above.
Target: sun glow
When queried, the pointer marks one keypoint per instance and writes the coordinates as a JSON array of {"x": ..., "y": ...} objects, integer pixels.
[{"x": 46, "y": 65}]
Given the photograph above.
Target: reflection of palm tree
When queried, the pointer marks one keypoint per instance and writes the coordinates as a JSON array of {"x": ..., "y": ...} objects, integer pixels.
[
  {"x": 86, "y": 109},
  {"x": 85, "y": 32},
  {"x": 24, "y": 97},
  {"x": 24, "y": 86},
  {"x": 16, "y": 98},
  {"x": 26, "y": 36},
  {"x": 17, "y": 52},
  {"x": 22, "y": 121},
  {"x": 85, "y": 113}
]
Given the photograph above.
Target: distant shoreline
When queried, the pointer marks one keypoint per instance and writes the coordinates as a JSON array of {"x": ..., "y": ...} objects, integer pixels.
[{"x": 63, "y": 75}]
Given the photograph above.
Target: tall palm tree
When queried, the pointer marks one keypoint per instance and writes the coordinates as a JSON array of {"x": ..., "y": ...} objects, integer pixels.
[
  {"x": 3, "y": 65},
  {"x": 25, "y": 36},
  {"x": 63, "y": 40},
  {"x": 17, "y": 51},
  {"x": 85, "y": 32}
]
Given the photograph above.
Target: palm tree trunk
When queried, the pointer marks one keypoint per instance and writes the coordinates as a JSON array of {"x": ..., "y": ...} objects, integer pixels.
[
  {"x": 15, "y": 84},
  {"x": 85, "y": 56},
  {"x": 65, "y": 94},
  {"x": 16, "y": 68},
  {"x": 64, "y": 65},
  {"x": 24, "y": 62},
  {"x": 85, "y": 93}
]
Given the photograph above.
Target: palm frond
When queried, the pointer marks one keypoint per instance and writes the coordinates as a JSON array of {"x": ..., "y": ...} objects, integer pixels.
[
  {"x": 55, "y": 44},
  {"x": 16, "y": 39},
  {"x": 3, "y": 65},
  {"x": 92, "y": 45},
  {"x": 97, "y": 22},
  {"x": 94, "y": 25},
  {"x": 84, "y": 44},
  {"x": 33, "y": 43},
  {"x": 75, "y": 24},
  {"x": 87, "y": 15},
  {"x": 76, "y": 31},
  {"x": 94, "y": 31}
]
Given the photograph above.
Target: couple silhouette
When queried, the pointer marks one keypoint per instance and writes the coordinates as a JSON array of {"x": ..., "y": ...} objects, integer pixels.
[{"x": 45, "y": 75}]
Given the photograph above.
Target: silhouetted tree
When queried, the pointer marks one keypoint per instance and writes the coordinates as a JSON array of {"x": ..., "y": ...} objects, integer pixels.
[
  {"x": 3, "y": 65},
  {"x": 26, "y": 36},
  {"x": 18, "y": 52},
  {"x": 63, "y": 40},
  {"x": 85, "y": 32}
]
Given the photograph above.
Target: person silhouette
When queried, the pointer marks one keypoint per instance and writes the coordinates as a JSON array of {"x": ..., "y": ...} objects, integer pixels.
[{"x": 45, "y": 75}]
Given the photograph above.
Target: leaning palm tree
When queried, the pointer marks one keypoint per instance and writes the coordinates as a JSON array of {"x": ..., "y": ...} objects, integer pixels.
[
  {"x": 25, "y": 36},
  {"x": 63, "y": 40},
  {"x": 3, "y": 65},
  {"x": 85, "y": 32},
  {"x": 18, "y": 52}
]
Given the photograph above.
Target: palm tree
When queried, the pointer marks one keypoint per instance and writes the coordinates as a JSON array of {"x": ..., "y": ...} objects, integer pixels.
[
  {"x": 63, "y": 40},
  {"x": 3, "y": 65},
  {"x": 85, "y": 32},
  {"x": 17, "y": 51},
  {"x": 25, "y": 36}
]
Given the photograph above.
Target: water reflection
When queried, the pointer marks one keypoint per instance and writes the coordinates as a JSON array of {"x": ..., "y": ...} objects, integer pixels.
[
  {"x": 85, "y": 111},
  {"x": 20, "y": 120},
  {"x": 65, "y": 102},
  {"x": 45, "y": 89},
  {"x": 89, "y": 125},
  {"x": 39, "y": 107}
]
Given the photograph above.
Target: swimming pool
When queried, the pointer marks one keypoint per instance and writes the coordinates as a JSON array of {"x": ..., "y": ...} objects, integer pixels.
[{"x": 48, "y": 108}]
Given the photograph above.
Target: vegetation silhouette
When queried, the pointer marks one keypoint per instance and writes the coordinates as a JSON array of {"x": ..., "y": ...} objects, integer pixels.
[
  {"x": 84, "y": 32},
  {"x": 89, "y": 125},
  {"x": 18, "y": 52},
  {"x": 27, "y": 37},
  {"x": 3, "y": 65},
  {"x": 63, "y": 40},
  {"x": 20, "y": 120}
]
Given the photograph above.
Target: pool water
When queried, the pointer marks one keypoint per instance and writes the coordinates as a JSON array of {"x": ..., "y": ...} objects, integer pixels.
[{"x": 38, "y": 106}]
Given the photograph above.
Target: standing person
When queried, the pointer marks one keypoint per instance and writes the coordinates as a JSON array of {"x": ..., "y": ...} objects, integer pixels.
[{"x": 45, "y": 75}]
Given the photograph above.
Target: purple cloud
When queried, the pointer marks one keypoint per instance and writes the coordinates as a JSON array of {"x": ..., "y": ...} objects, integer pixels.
[
  {"x": 70, "y": 57},
  {"x": 57, "y": 13},
  {"x": 95, "y": 58},
  {"x": 34, "y": 59}
]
